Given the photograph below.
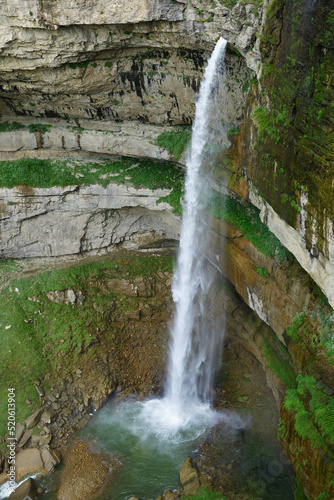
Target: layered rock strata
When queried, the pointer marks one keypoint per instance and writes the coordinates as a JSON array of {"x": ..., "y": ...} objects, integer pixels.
[
  {"x": 54, "y": 222},
  {"x": 115, "y": 62}
]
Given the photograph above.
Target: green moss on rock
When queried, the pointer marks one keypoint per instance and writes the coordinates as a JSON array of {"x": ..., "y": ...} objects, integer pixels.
[
  {"x": 175, "y": 141},
  {"x": 245, "y": 217},
  {"x": 278, "y": 363}
]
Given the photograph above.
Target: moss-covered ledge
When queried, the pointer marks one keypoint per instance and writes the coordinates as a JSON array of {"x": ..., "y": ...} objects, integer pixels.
[
  {"x": 319, "y": 267},
  {"x": 55, "y": 137},
  {"x": 57, "y": 208}
]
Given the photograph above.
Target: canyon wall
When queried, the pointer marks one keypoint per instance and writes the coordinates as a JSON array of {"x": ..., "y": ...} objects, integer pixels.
[{"x": 97, "y": 80}]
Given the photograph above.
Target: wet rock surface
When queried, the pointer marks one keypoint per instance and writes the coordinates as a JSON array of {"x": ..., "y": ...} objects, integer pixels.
[
  {"x": 26, "y": 491},
  {"x": 189, "y": 476}
]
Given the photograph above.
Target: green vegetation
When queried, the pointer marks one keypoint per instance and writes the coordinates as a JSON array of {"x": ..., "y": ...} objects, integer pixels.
[
  {"x": 233, "y": 130},
  {"x": 282, "y": 431},
  {"x": 322, "y": 496},
  {"x": 8, "y": 267},
  {"x": 292, "y": 330},
  {"x": 175, "y": 141},
  {"x": 205, "y": 494},
  {"x": 285, "y": 198},
  {"x": 231, "y": 3},
  {"x": 314, "y": 420},
  {"x": 33, "y": 127},
  {"x": 315, "y": 325},
  {"x": 40, "y": 336},
  {"x": 246, "y": 218},
  {"x": 83, "y": 64},
  {"x": 139, "y": 173},
  {"x": 278, "y": 363},
  {"x": 321, "y": 406},
  {"x": 299, "y": 493},
  {"x": 261, "y": 271},
  {"x": 304, "y": 425},
  {"x": 37, "y": 127},
  {"x": 10, "y": 127},
  {"x": 322, "y": 313},
  {"x": 269, "y": 126}
]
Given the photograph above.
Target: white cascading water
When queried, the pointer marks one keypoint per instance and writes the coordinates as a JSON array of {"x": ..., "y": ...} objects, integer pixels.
[
  {"x": 184, "y": 411},
  {"x": 191, "y": 354}
]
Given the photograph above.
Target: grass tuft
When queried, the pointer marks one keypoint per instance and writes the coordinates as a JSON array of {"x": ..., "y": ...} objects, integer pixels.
[{"x": 175, "y": 141}]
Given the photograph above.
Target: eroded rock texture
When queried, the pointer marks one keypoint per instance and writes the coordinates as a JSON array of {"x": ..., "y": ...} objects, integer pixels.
[
  {"x": 56, "y": 222},
  {"x": 118, "y": 61}
]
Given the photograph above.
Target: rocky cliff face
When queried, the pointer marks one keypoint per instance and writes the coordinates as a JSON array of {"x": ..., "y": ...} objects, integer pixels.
[
  {"x": 115, "y": 62},
  {"x": 290, "y": 161},
  {"x": 77, "y": 220},
  {"x": 103, "y": 79}
]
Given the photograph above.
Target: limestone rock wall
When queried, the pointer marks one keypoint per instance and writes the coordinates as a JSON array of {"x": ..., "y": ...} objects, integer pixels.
[
  {"x": 106, "y": 139},
  {"x": 115, "y": 62},
  {"x": 56, "y": 222}
]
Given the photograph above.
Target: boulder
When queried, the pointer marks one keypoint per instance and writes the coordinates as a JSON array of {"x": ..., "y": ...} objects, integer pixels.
[
  {"x": 50, "y": 458},
  {"x": 27, "y": 462},
  {"x": 34, "y": 441},
  {"x": 189, "y": 476},
  {"x": 170, "y": 495},
  {"x": 40, "y": 390},
  {"x": 26, "y": 491},
  {"x": 25, "y": 438},
  {"x": 45, "y": 439},
  {"x": 47, "y": 417},
  {"x": 34, "y": 419},
  {"x": 19, "y": 431}
]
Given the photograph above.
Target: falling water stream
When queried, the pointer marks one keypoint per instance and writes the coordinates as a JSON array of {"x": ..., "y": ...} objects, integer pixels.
[{"x": 193, "y": 348}]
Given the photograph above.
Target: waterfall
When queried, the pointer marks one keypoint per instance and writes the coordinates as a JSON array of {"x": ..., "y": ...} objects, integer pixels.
[
  {"x": 192, "y": 346},
  {"x": 184, "y": 414}
]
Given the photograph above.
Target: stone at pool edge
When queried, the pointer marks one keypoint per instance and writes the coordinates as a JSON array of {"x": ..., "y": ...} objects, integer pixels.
[
  {"x": 26, "y": 491},
  {"x": 85, "y": 472},
  {"x": 32, "y": 460},
  {"x": 189, "y": 476}
]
